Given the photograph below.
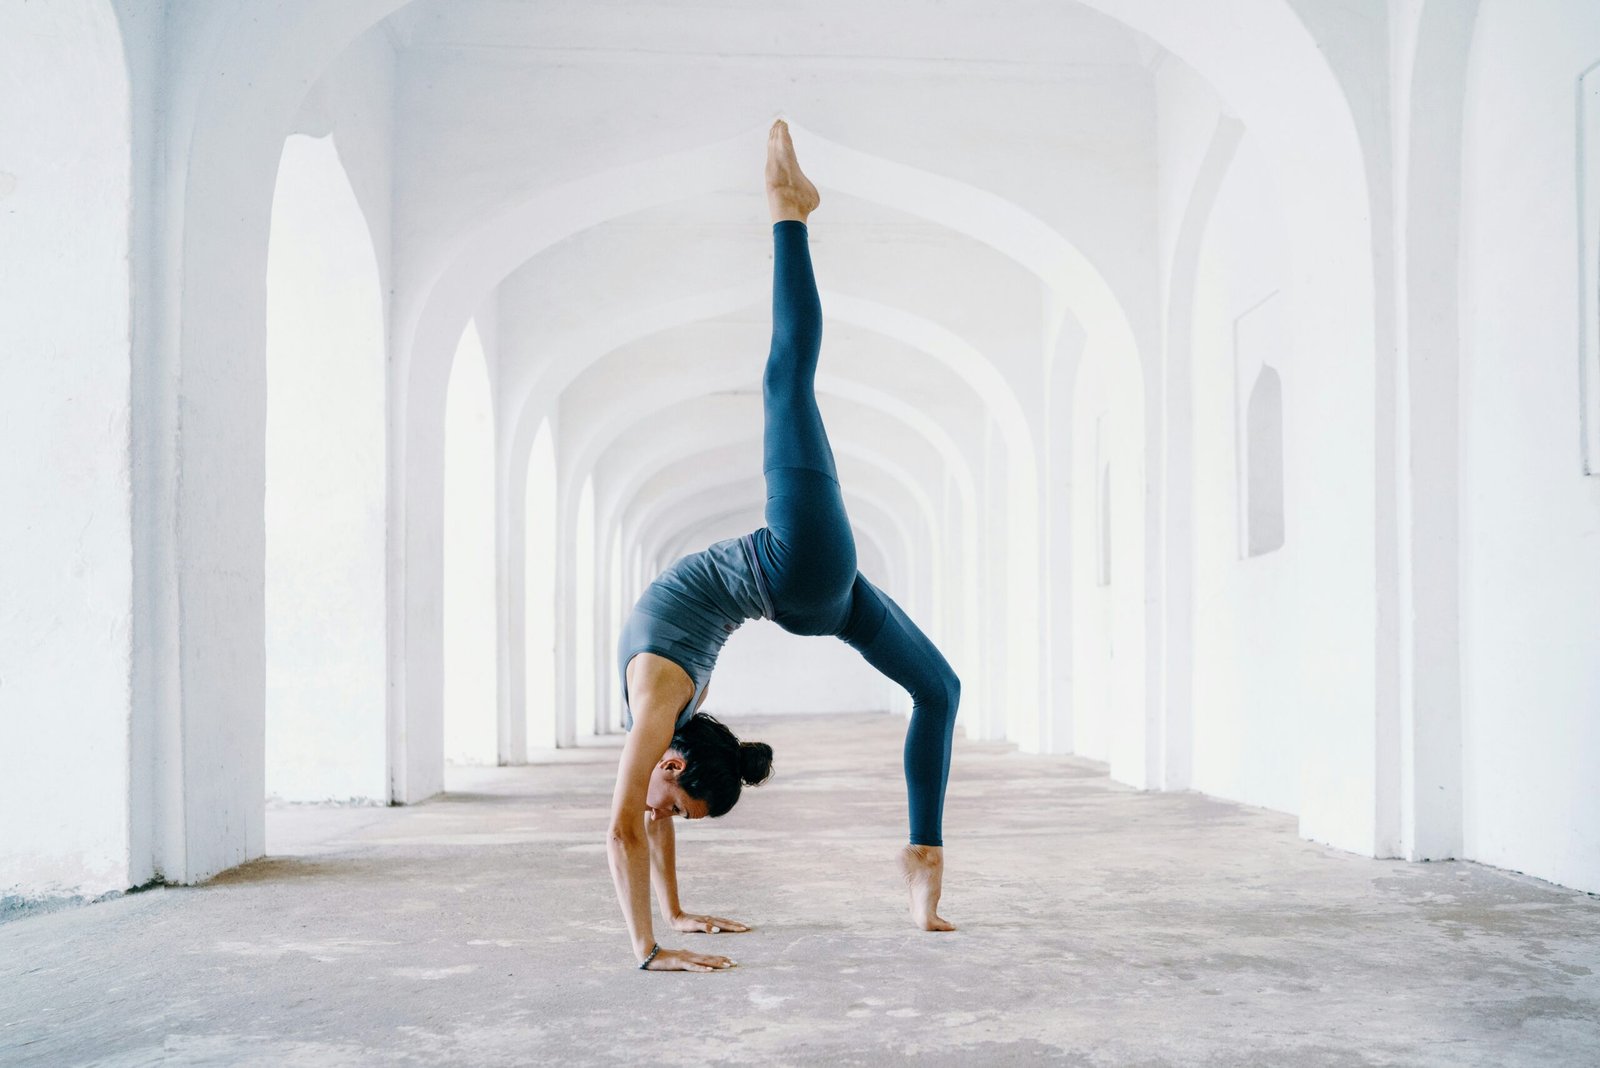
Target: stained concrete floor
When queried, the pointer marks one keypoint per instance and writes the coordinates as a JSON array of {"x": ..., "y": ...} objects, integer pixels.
[{"x": 1099, "y": 926}]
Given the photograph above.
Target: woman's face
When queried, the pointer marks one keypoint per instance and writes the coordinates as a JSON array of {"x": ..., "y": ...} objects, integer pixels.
[{"x": 664, "y": 798}]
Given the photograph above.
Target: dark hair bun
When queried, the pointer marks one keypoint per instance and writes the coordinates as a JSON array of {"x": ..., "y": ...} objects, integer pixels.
[{"x": 755, "y": 762}]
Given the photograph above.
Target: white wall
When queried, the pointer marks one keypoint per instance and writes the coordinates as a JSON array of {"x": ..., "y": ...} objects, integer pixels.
[
  {"x": 1108, "y": 695},
  {"x": 65, "y": 532},
  {"x": 1249, "y": 648},
  {"x": 1530, "y": 518}
]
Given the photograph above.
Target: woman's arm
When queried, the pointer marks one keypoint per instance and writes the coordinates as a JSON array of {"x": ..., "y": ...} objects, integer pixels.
[
  {"x": 626, "y": 845},
  {"x": 664, "y": 866},
  {"x": 664, "y": 876}
]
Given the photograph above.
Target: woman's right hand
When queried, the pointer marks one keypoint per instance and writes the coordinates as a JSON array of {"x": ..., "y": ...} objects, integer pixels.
[{"x": 683, "y": 960}]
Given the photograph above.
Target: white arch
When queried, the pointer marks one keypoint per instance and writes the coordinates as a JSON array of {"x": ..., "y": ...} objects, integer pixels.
[
  {"x": 542, "y": 543},
  {"x": 325, "y": 542},
  {"x": 490, "y": 253},
  {"x": 1268, "y": 67},
  {"x": 267, "y": 64},
  {"x": 483, "y": 257},
  {"x": 471, "y": 724}
]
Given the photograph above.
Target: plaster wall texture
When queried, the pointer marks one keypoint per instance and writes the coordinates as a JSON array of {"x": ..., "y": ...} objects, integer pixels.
[
  {"x": 152, "y": 762},
  {"x": 1530, "y": 580},
  {"x": 230, "y": 88},
  {"x": 66, "y": 586}
]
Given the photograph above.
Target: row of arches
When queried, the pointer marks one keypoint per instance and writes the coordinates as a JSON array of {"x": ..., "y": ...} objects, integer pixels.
[
  {"x": 225, "y": 189},
  {"x": 469, "y": 652},
  {"x": 1071, "y": 507}
]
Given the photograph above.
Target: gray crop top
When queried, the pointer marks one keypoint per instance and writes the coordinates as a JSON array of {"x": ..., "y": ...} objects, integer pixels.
[{"x": 690, "y": 610}]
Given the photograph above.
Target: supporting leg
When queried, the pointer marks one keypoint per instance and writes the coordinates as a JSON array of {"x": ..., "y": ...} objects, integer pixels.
[{"x": 887, "y": 638}]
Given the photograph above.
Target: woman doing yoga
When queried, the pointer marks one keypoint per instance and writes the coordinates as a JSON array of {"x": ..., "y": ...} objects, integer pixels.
[{"x": 798, "y": 571}]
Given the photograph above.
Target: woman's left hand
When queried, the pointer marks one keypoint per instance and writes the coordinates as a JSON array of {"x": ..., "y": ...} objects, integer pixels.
[{"x": 689, "y": 923}]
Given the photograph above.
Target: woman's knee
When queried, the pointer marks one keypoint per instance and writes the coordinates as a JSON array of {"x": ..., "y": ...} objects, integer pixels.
[
  {"x": 790, "y": 372},
  {"x": 952, "y": 690},
  {"x": 941, "y": 694}
]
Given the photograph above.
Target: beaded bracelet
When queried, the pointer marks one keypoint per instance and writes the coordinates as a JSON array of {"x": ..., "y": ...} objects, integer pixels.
[{"x": 655, "y": 948}]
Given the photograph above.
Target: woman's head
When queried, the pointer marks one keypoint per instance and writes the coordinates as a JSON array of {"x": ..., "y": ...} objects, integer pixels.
[{"x": 704, "y": 770}]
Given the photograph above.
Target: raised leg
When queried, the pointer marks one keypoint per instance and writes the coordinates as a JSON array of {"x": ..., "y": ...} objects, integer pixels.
[
  {"x": 806, "y": 550},
  {"x": 794, "y": 435}
]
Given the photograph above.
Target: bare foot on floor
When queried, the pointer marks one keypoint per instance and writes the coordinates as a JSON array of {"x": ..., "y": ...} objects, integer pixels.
[
  {"x": 923, "y": 867},
  {"x": 790, "y": 193}
]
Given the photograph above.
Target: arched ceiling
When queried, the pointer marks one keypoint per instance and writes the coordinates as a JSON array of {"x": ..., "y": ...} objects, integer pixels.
[{"x": 604, "y": 195}]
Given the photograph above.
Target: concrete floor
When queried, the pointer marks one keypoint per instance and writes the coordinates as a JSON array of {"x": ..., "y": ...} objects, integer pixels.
[{"x": 1099, "y": 926}]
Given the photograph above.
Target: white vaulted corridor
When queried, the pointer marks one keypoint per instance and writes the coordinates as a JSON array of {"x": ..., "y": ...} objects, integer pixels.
[{"x": 1217, "y": 384}]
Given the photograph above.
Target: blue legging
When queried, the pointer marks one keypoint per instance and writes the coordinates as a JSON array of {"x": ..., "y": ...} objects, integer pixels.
[{"x": 808, "y": 554}]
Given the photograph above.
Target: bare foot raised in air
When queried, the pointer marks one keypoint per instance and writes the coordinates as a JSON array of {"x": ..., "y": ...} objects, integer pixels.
[
  {"x": 790, "y": 193},
  {"x": 923, "y": 867}
]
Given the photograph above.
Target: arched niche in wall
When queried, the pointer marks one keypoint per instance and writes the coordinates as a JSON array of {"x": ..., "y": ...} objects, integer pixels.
[
  {"x": 540, "y": 510},
  {"x": 325, "y": 493},
  {"x": 1259, "y": 334},
  {"x": 471, "y": 731},
  {"x": 1263, "y": 485}
]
